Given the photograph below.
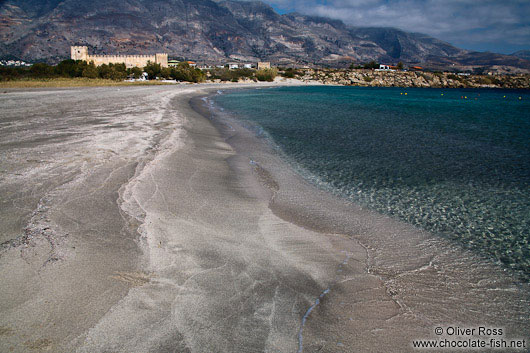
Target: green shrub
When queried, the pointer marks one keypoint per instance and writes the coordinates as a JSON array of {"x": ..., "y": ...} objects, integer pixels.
[
  {"x": 12, "y": 73},
  {"x": 67, "y": 69},
  {"x": 371, "y": 65},
  {"x": 135, "y": 71},
  {"x": 231, "y": 75},
  {"x": 166, "y": 72},
  {"x": 70, "y": 68},
  {"x": 290, "y": 73},
  {"x": 266, "y": 74},
  {"x": 90, "y": 71},
  {"x": 247, "y": 73},
  {"x": 184, "y": 72},
  {"x": 114, "y": 72},
  {"x": 153, "y": 70},
  {"x": 41, "y": 70}
]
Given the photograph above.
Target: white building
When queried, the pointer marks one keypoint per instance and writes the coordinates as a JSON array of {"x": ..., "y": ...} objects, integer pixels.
[{"x": 385, "y": 68}]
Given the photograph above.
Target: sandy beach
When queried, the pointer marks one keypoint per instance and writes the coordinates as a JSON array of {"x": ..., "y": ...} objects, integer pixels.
[{"x": 139, "y": 219}]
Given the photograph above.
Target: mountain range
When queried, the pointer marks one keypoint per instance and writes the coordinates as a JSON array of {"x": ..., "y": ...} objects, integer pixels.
[
  {"x": 217, "y": 31},
  {"x": 523, "y": 54}
]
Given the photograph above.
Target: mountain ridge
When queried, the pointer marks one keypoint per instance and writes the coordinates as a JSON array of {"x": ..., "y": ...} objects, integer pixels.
[
  {"x": 522, "y": 54},
  {"x": 216, "y": 31}
]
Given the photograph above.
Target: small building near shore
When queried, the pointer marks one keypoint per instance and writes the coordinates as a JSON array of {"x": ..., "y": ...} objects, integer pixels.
[
  {"x": 264, "y": 65},
  {"x": 383, "y": 67}
]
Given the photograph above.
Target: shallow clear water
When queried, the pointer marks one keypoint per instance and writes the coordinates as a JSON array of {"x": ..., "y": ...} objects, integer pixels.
[{"x": 454, "y": 162}]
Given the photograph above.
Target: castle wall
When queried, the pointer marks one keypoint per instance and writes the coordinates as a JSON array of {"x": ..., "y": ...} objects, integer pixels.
[
  {"x": 81, "y": 53},
  {"x": 128, "y": 60}
]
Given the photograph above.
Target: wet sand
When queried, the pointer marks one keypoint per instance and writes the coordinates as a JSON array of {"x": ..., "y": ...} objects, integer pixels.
[
  {"x": 411, "y": 281},
  {"x": 132, "y": 223}
]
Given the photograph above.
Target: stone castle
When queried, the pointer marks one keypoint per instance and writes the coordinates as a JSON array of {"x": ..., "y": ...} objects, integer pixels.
[{"x": 81, "y": 53}]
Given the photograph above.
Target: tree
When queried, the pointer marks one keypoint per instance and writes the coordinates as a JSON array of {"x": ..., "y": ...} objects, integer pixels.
[
  {"x": 70, "y": 68},
  {"x": 400, "y": 65},
  {"x": 104, "y": 71},
  {"x": 289, "y": 73},
  {"x": 153, "y": 70},
  {"x": 118, "y": 72},
  {"x": 90, "y": 71},
  {"x": 371, "y": 65},
  {"x": 136, "y": 72},
  {"x": 41, "y": 70},
  {"x": 12, "y": 73},
  {"x": 166, "y": 72},
  {"x": 184, "y": 72}
]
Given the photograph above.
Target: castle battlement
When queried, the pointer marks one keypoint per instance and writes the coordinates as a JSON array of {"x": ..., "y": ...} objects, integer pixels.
[{"x": 81, "y": 53}]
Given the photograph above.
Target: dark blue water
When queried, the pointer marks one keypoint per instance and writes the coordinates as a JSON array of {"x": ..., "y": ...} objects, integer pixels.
[{"x": 454, "y": 162}]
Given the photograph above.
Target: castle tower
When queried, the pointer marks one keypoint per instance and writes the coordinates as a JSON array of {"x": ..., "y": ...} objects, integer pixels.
[
  {"x": 161, "y": 59},
  {"x": 79, "y": 53}
]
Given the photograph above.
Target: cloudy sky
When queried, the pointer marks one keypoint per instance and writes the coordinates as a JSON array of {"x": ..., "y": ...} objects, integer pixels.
[{"x": 485, "y": 25}]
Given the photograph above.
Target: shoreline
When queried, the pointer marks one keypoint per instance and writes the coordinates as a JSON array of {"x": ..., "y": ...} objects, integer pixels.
[
  {"x": 228, "y": 248},
  {"x": 273, "y": 154},
  {"x": 229, "y": 237},
  {"x": 327, "y": 77},
  {"x": 374, "y": 232}
]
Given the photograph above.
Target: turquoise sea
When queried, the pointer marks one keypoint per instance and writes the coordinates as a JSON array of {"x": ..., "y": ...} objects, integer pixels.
[{"x": 454, "y": 162}]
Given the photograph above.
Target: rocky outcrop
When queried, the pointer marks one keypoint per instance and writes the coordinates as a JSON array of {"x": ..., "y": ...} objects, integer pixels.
[{"x": 369, "y": 78}]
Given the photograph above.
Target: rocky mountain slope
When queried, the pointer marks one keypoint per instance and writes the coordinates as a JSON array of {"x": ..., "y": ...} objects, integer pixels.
[
  {"x": 523, "y": 54},
  {"x": 207, "y": 30}
]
